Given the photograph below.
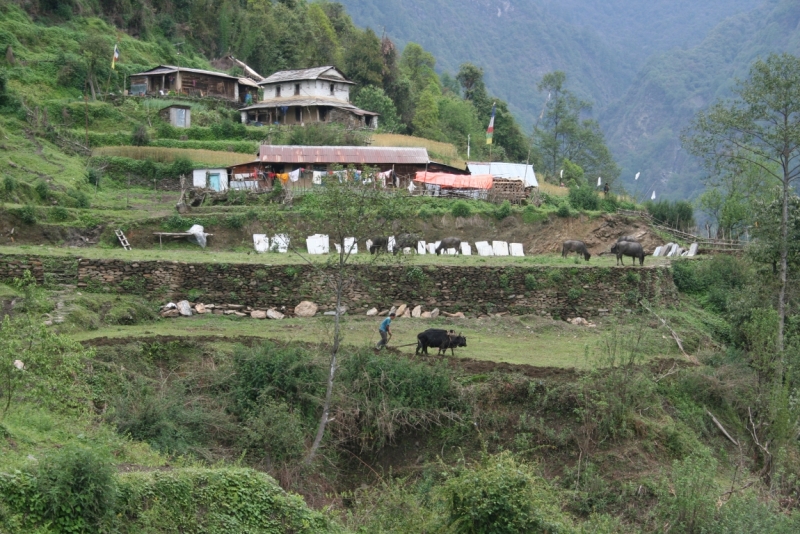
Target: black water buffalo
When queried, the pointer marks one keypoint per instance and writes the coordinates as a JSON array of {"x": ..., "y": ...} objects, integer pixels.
[
  {"x": 449, "y": 242},
  {"x": 441, "y": 339},
  {"x": 378, "y": 243},
  {"x": 405, "y": 240},
  {"x": 628, "y": 238},
  {"x": 575, "y": 246},
  {"x": 626, "y": 248}
]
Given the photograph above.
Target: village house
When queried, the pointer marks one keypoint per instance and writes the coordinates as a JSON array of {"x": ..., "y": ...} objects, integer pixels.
[
  {"x": 168, "y": 79},
  {"x": 319, "y": 94}
]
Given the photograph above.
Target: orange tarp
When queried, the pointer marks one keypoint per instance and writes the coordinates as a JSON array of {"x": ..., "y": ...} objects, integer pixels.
[{"x": 456, "y": 181}]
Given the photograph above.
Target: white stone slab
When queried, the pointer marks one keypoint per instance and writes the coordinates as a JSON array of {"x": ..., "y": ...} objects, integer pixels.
[
  {"x": 390, "y": 244},
  {"x": 318, "y": 244},
  {"x": 432, "y": 248},
  {"x": 466, "y": 250},
  {"x": 451, "y": 252},
  {"x": 261, "y": 243},
  {"x": 368, "y": 244},
  {"x": 516, "y": 249},
  {"x": 421, "y": 247},
  {"x": 484, "y": 248},
  {"x": 350, "y": 245},
  {"x": 280, "y": 243},
  {"x": 692, "y": 250},
  {"x": 657, "y": 251},
  {"x": 673, "y": 251},
  {"x": 500, "y": 248}
]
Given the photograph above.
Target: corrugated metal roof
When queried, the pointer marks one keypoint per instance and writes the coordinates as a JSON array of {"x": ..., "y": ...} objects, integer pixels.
[
  {"x": 307, "y": 102},
  {"x": 305, "y": 74},
  {"x": 170, "y": 69},
  {"x": 511, "y": 171},
  {"x": 370, "y": 155}
]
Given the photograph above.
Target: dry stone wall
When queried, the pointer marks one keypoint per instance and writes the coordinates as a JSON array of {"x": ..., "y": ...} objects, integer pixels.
[{"x": 556, "y": 291}]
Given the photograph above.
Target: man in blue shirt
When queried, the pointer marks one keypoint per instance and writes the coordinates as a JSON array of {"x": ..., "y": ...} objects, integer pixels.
[{"x": 385, "y": 331}]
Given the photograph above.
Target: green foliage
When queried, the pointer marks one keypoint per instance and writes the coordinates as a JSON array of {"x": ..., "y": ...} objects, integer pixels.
[
  {"x": 563, "y": 211},
  {"x": 690, "y": 505},
  {"x": 273, "y": 433},
  {"x": 59, "y": 213},
  {"x": 502, "y": 211},
  {"x": 583, "y": 198},
  {"x": 140, "y": 136},
  {"x": 27, "y": 214},
  {"x": 678, "y": 214},
  {"x": 42, "y": 189},
  {"x": 530, "y": 282},
  {"x": 502, "y": 495},
  {"x": 574, "y": 293},
  {"x": 93, "y": 176},
  {"x": 373, "y": 98},
  {"x": 461, "y": 209},
  {"x": 76, "y": 485},
  {"x": 181, "y": 166},
  {"x": 9, "y": 184}
]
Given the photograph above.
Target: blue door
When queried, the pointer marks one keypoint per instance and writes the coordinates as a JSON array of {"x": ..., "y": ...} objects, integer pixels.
[{"x": 213, "y": 182}]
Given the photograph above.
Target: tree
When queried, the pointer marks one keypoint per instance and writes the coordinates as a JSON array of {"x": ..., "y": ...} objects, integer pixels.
[
  {"x": 346, "y": 209},
  {"x": 417, "y": 65},
  {"x": 760, "y": 126},
  {"x": 426, "y": 117},
  {"x": 95, "y": 50},
  {"x": 471, "y": 79},
  {"x": 324, "y": 46},
  {"x": 363, "y": 59},
  {"x": 562, "y": 133},
  {"x": 373, "y": 98}
]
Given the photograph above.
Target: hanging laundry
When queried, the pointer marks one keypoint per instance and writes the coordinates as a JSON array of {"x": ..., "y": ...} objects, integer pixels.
[
  {"x": 283, "y": 177},
  {"x": 316, "y": 177},
  {"x": 295, "y": 175}
]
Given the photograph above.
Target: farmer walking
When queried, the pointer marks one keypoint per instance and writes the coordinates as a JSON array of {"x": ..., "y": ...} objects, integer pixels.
[{"x": 385, "y": 331}]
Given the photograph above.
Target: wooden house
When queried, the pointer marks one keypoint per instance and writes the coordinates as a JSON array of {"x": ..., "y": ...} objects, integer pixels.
[
  {"x": 319, "y": 94},
  {"x": 177, "y": 115},
  {"x": 168, "y": 79}
]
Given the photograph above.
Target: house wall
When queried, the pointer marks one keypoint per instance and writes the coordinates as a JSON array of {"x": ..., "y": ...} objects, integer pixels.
[
  {"x": 309, "y": 88},
  {"x": 200, "y": 177}
]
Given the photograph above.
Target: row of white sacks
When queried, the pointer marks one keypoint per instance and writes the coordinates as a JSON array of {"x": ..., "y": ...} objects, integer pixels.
[
  {"x": 320, "y": 244},
  {"x": 670, "y": 250}
]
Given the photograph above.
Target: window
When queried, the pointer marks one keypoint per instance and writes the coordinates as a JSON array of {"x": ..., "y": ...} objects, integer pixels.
[
  {"x": 332, "y": 88},
  {"x": 278, "y": 91},
  {"x": 298, "y": 114},
  {"x": 323, "y": 113},
  {"x": 297, "y": 88}
]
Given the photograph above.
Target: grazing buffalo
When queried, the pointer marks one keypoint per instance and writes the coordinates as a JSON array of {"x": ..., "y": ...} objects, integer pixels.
[
  {"x": 441, "y": 339},
  {"x": 628, "y": 238},
  {"x": 378, "y": 244},
  {"x": 575, "y": 246},
  {"x": 626, "y": 248},
  {"x": 405, "y": 241},
  {"x": 449, "y": 242}
]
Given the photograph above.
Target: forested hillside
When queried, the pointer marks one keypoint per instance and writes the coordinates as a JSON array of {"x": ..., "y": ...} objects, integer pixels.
[{"x": 647, "y": 66}]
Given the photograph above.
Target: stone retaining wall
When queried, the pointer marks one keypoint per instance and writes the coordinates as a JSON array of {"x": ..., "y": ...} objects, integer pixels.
[{"x": 556, "y": 291}]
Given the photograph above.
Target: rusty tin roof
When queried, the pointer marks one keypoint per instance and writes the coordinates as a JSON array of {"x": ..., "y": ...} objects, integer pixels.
[{"x": 343, "y": 154}]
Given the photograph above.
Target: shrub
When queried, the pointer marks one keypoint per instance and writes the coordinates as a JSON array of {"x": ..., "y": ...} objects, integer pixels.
[
  {"x": 461, "y": 209},
  {"x": 181, "y": 166},
  {"x": 42, "y": 189},
  {"x": 574, "y": 293},
  {"x": 93, "y": 176},
  {"x": 9, "y": 183},
  {"x": 503, "y": 210},
  {"x": 27, "y": 214},
  {"x": 76, "y": 488},
  {"x": 273, "y": 432},
  {"x": 609, "y": 203},
  {"x": 678, "y": 214},
  {"x": 59, "y": 213},
  {"x": 563, "y": 211},
  {"x": 530, "y": 282},
  {"x": 502, "y": 496},
  {"x": 583, "y": 198},
  {"x": 140, "y": 136}
]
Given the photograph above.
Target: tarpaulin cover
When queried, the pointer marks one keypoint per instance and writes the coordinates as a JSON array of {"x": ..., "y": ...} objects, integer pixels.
[{"x": 456, "y": 181}]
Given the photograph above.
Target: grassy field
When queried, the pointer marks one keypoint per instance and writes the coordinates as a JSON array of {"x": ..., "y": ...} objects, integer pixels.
[
  {"x": 187, "y": 252},
  {"x": 528, "y": 340},
  {"x": 168, "y": 155}
]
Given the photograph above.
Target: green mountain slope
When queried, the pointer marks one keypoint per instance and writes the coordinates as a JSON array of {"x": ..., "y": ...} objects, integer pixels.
[
  {"x": 643, "y": 127},
  {"x": 600, "y": 45}
]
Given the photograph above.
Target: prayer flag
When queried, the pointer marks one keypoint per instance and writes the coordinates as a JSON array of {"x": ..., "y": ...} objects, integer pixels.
[
  {"x": 637, "y": 176},
  {"x": 653, "y": 196},
  {"x": 115, "y": 58},
  {"x": 490, "y": 130},
  {"x": 599, "y": 181}
]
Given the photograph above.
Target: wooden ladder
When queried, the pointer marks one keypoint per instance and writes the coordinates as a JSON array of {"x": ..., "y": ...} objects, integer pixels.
[{"x": 122, "y": 239}]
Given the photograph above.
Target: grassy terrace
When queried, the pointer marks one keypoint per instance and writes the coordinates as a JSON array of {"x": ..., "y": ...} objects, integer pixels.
[
  {"x": 193, "y": 253},
  {"x": 528, "y": 340}
]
